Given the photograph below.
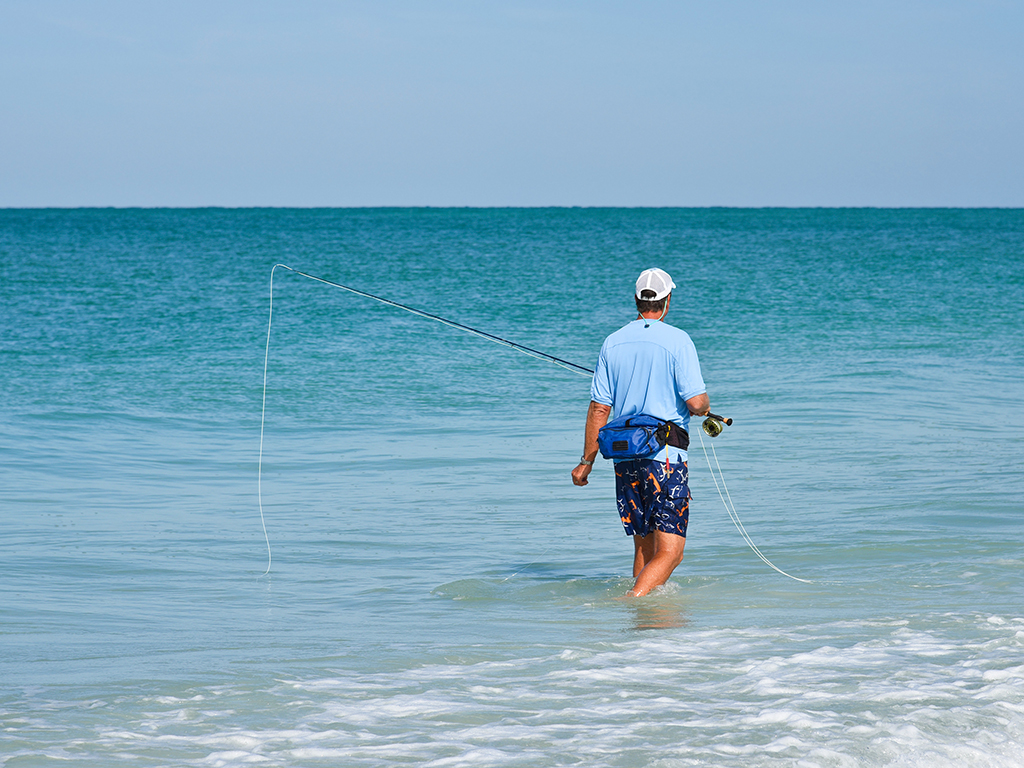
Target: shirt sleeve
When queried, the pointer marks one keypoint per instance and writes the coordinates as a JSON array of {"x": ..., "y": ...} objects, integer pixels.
[
  {"x": 689, "y": 382},
  {"x": 601, "y": 386}
]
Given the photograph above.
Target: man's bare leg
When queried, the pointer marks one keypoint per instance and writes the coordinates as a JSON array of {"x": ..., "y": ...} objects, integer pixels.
[
  {"x": 655, "y": 556},
  {"x": 643, "y": 552}
]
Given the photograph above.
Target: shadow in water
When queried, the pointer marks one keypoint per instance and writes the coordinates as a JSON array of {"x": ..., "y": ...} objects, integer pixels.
[
  {"x": 667, "y": 607},
  {"x": 650, "y": 613}
]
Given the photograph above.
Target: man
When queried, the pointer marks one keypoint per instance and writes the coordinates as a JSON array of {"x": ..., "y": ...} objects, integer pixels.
[{"x": 648, "y": 367}]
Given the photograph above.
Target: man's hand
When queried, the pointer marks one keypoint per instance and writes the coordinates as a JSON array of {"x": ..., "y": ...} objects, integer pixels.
[{"x": 580, "y": 474}]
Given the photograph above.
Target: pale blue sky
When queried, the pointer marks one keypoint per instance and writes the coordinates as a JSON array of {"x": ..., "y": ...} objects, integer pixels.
[{"x": 788, "y": 103}]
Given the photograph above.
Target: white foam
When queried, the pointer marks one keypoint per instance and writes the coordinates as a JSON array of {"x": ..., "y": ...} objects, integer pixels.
[{"x": 890, "y": 694}]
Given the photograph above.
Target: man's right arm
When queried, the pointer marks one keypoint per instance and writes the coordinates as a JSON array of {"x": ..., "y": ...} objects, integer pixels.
[{"x": 699, "y": 405}]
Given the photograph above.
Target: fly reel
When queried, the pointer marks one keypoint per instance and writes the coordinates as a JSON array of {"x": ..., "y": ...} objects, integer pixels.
[{"x": 713, "y": 425}]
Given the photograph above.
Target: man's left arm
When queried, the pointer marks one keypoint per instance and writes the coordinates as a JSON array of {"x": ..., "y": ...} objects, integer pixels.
[{"x": 597, "y": 417}]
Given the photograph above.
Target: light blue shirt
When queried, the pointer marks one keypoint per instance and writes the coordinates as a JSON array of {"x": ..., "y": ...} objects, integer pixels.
[{"x": 649, "y": 367}]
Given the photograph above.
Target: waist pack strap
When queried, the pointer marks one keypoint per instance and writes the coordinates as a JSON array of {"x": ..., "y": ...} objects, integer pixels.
[{"x": 674, "y": 435}]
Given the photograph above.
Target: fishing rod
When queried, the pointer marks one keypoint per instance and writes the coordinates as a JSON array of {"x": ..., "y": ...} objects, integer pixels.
[
  {"x": 450, "y": 323},
  {"x": 712, "y": 424}
]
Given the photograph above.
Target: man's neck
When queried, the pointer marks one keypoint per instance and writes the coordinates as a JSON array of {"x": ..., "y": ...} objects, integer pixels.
[{"x": 660, "y": 315}]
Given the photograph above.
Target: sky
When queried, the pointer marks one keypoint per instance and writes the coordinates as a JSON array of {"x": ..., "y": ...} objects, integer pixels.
[{"x": 513, "y": 103}]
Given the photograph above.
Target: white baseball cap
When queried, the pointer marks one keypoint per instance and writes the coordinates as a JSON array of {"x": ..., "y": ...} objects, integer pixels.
[{"x": 656, "y": 280}]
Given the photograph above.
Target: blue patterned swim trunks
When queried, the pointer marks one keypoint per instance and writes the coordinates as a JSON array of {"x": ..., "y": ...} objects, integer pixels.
[{"x": 651, "y": 498}]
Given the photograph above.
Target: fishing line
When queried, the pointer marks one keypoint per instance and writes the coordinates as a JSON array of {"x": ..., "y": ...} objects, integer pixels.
[
  {"x": 713, "y": 428},
  {"x": 731, "y": 508},
  {"x": 569, "y": 366}
]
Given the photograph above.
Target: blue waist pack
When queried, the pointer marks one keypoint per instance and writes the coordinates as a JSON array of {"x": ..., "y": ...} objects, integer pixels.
[{"x": 638, "y": 436}]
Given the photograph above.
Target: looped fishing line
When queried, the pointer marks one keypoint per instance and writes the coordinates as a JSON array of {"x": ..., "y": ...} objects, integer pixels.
[
  {"x": 583, "y": 371},
  {"x": 731, "y": 508}
]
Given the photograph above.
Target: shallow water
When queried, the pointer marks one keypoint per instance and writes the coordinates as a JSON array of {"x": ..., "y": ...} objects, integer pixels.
[{"x": 439, "y": 593}]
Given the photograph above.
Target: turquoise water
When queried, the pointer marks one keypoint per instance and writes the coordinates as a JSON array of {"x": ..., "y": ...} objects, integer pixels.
[{"x": 440, "y": 594}]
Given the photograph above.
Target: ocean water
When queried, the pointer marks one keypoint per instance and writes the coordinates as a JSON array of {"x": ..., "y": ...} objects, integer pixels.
[{"x": 439, "y": 593}]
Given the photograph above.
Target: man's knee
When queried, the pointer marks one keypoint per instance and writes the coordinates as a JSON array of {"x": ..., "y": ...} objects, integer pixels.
[{"x": 670, "y": 546}]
